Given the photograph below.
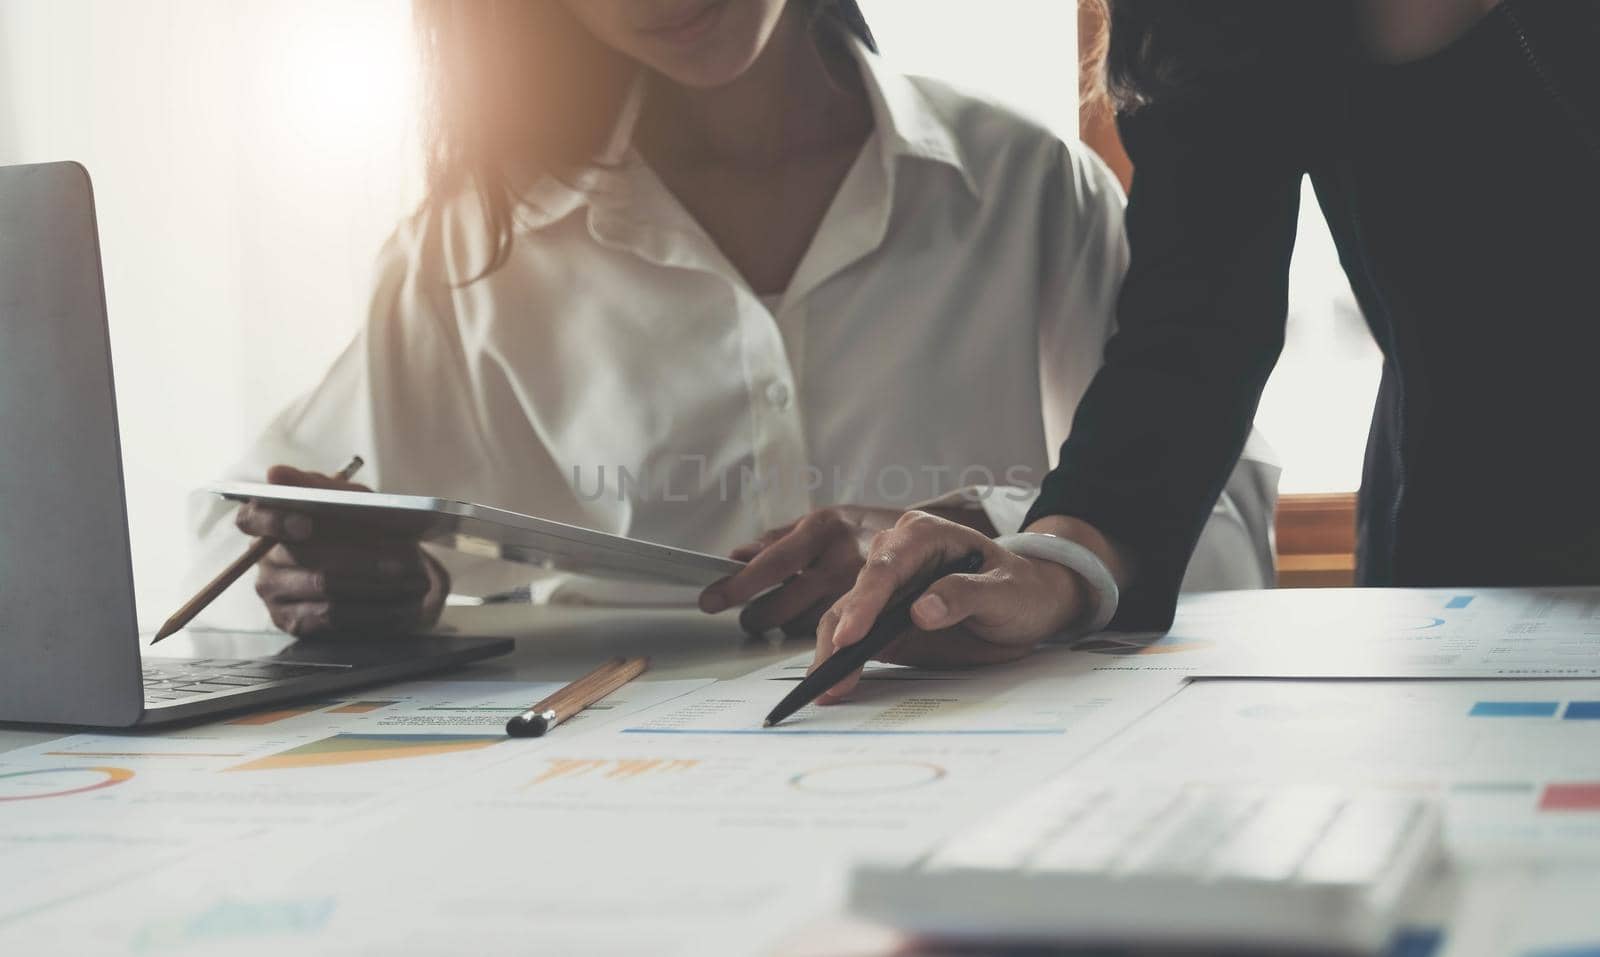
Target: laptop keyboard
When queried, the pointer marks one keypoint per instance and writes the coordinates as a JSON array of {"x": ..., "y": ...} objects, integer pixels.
[{"x": 179, "y": 679}]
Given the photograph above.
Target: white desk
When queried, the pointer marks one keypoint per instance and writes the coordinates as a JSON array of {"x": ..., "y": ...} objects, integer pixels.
[{"x": 559, "y": 644}]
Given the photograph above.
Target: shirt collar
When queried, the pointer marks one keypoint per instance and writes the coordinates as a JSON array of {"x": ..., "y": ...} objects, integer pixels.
[
  {"x": 907, "y": 125},
  {"x": 553, "y": 198}
]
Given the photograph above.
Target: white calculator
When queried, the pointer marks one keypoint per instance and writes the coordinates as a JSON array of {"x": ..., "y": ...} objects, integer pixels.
[{"x": 1322, "y": 869}]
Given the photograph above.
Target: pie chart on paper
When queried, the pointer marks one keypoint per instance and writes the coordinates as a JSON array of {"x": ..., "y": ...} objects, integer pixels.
[
  {"x": 864, "y": 777},
  {"x": 42, "y": 783},
  {"x": 1123, "y": 646}
]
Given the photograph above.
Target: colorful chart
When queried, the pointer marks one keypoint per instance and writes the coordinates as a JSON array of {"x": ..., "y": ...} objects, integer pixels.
[
  {"x": 362, "y": 707},
  {"x": 232, "y": 920},
  {"x": 145, "y": 754},
  {"x": 363, "y": 748},
  {"x": 1515, "y": 709},
  {"x": 1123, "y": 646},
  {"x": 272, "y": 717},
  {"x": 1575, "y": 710},
  {"x": 1571, "y": 796},
  {"x": 1419, "y": 623},
  {"x": 620, "y": 769},
  {"x": 867, "y": 777},
  {"x": 58, "y": 782}
]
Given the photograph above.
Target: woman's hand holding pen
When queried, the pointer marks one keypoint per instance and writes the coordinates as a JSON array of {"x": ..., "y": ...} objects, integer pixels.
[
  {"x": 995, "y": 614},
  {"x": 331, "y": 576},
  {"x": 807, "y": 564}
]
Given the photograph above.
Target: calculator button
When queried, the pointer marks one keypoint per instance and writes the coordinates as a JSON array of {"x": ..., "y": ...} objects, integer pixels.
[
  {"x": 1272, "y": 843},
  {"x": 1361, "y": 840}
]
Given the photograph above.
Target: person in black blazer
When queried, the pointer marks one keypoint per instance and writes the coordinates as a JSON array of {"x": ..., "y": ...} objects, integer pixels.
[{"x": 1454, "y": 146}]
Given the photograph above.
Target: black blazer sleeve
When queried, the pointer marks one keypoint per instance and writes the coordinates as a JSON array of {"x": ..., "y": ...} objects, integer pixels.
[{"x": 1211, "y": 222}]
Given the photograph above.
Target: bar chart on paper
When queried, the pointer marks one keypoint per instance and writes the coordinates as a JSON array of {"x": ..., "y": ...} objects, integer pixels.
[
  {"x": 341, "y": 749},
  {"x": 856, "y": 775},
  {"x": 1518, "y": 762},
  {"x": 1052, "y": 695},
  {"x": 613, "y": 769}
]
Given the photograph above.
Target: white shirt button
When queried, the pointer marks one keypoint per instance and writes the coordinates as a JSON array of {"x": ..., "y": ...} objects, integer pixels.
[{"x": 778, "y": 395}]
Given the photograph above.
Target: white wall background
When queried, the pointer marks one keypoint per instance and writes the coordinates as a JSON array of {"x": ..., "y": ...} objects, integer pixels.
[
  {"x": 249, "y": 157},
  {"x": 1317, "y": 406},
  {"x": 1023, "y": 53}
]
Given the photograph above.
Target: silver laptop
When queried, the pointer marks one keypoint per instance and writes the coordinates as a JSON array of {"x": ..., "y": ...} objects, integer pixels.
[{"x": 69, "y": 642}]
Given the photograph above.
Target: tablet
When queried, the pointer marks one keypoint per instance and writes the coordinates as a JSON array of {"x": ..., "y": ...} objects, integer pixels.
[{"x": 497, "y": 533}]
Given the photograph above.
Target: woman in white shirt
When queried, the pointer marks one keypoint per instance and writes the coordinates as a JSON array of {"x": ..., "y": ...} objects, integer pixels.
[{"x": 688, "y": 271}]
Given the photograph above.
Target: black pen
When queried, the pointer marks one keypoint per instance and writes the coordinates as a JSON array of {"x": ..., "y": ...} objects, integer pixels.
[{"x": 891, "y": 624}]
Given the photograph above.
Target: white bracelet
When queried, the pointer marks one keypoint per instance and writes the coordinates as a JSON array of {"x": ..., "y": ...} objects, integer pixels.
[{"x": 1067, "y": 553}]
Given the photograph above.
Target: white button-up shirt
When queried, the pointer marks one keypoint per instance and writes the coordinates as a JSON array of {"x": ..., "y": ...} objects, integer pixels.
[{"x": 618, "y": 373}]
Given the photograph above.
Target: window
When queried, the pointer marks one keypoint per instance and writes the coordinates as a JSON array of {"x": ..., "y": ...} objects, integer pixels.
[
  {"x": 1019, "y": 52},
  {"x": 249, "y": 158},
  {"x": 1318, "y": 404}
]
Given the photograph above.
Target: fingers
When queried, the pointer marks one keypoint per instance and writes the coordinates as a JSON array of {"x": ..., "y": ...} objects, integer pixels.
[
  {"x": 327, "y": 574},
  {"x": 804, "y": 625},
  {"x": 819, "y": 654},
  {"x": 842, "y": 689},
  {"x": 784, "y": 557},
  {"x": 993, "y": 615},
  {"x": 955, "y": 598},
  {"x": 918, "y": 544},
  {"x": 305, "y": 620},
  {"x": 809, "y": 592},
  {"x": 285, "y": 525},
  {"x": 746, "y": 552},
  {"x": 365, "y": 561},
  {"x": 290, "y": 525},
  {"x": 312, "y": 589},
  {"x": 289, "y": 475},
  {"x": 438, "y": 587},
  {"x": 317, "y": 619},
  {"x": 947, "y": 648},
  {"x": 292, "y": 584}
]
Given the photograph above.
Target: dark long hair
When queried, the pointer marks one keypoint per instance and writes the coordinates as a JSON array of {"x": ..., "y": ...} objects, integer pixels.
[
  {"x": 514, "y": 83},
  {"x": 1174, "y": 50}
]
